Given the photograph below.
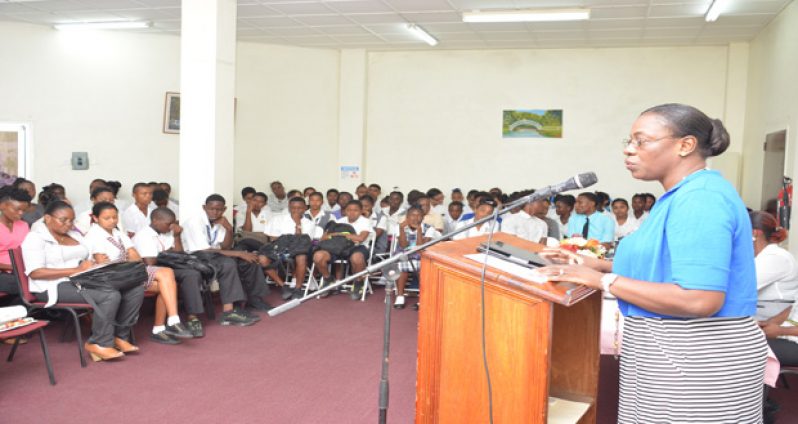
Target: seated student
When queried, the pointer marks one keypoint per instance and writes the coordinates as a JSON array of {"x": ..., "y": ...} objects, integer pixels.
[
  {"x": 256, "y": 216},
  {"x": 624, "y": 223},
  {"x": 293, "y": 223},
  {"x": 101, "y": 194},
  {"x": 394, "y": 212},
  {"x": 453, "y": 217},
  {"x": 412, "y": 232},
  {"x": 109, "y": 245},
  {"x": 650, "y": 200},
  {"x": 564, "y": 206},
  {"x": 526, "y": 224},
  {"x": 48, "y": 195},
  {"x": 378, "y": 221},
  {"x": 53, "y": 252},
  {"x": 436, "y": 201},
  {"x": 589, "y": 223},
  {"x": 344, "y": 198},
  {"x": 358, "y": 255},
  {"x": 540, "y": 210},
  {"x": 375, "y": 191},
  {"x": 317, "y": 216},
  {"x": 332, "y": 201},
  {"x": 120, "y": 204},
  {"x": 34, "y": 212},
  {"x": 603, "y": 204},
  {"x": 159, "y": 198},
  {"x": 512, "y": 220},
  {"x": 385, "y": 203},
  {"x": 638, "y": 208},
  {"x": 240, "y": 210},
  {"x": 484, "y": 207},
  {"x": 432, "y": 218},
  {"x": 171, "y": 203},
  {"x": 457, "y": 196},
  {"x": 279, "y": 198},
  {"x": 137, "y": 215},
  {"x": 13, "y": 203},
  {"x": 83, "y": 205},
  {"x": 306, "y": 194},
  {"x": 163, "y": 234},
  {"x": 472, "y": 198},
  {"x": 211, "y": 231},
  {"x": 361, "y": 190}
]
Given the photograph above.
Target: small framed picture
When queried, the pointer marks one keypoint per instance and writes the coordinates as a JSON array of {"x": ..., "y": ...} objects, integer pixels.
[{"x": 171, "y": 113}]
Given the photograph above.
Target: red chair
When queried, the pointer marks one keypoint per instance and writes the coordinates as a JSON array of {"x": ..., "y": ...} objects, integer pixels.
[
  {"x": 17, "y": 333},
  {"x": 76, "y": 310}
]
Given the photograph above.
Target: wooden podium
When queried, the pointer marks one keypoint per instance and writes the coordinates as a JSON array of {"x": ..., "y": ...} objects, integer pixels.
[{"x": 542, "y": 341}]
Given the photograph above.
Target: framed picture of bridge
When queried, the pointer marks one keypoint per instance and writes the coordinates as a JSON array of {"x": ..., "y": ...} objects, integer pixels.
[{"x": 532, "y": 123}]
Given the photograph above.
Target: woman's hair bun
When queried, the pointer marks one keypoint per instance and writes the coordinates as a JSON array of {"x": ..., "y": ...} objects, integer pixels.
[{"x": 718, "y": 138}]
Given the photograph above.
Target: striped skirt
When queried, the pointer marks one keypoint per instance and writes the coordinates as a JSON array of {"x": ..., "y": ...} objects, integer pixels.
[{"x": 706, "y": 370}]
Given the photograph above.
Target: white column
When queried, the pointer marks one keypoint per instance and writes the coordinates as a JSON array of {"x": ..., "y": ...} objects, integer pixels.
[
  {"x": 207, "y": 95},
  {"x": 351, "y": 118}
]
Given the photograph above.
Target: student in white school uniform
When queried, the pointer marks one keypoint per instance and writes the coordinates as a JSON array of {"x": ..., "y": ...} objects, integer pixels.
[
  {"x": 564, "y": 207},
  {"x": 137, "y": 215},
  {"x": 375, "y": 191},
  {"x": 526, "y": 225},
  {"x": 412, "y": 232},
  {"x": 87, "y": 204},
  {"x": 291, "y": 223},
  {"x": 455, "y": 212},
  {"x": 624, "y": 223},
  {"x": 639, "y": 213},
  {"x": 163, "y": 234},
  {"x": 331, "y": 205},
  {"x": 484, "y": 207},
  {"x": 239, "y": 210},
  {"x": 457, "y": 196},
  {"x": 344, "y": 198},
  {"x": 379, "y": 222},
  {"x": 358, "y": 255},
  {"x": 430, "y": 217},
  {"x": 109, "y": 245},
  {"x": 317, "y": 215},
  {"x": 512, "y": 220},
  {"x": 395, "y": 213},
  {"x": 279, "y": 199},
  {"x": 437, "y": 201},
  {"x": 243, "y": 276},
  {"x": 256, "y": 216},
  {"x": 83, "y": 220},
  {"x": 172, "y": 204}
]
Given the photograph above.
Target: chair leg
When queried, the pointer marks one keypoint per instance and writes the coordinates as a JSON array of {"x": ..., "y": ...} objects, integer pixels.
[
  {"x": 310, "y": 278},
  {"x": 78, "y": 336},
  {"x": 209, "y": 309},
  {"x": 13, "y": 350},
  {"x": 46, "y": 353}
]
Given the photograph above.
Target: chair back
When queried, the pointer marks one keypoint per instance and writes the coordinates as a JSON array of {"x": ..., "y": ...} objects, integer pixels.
[{"x": 18, "y": 269}]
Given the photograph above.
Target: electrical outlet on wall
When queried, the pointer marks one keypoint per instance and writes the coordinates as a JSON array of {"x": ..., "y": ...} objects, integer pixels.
[{"x": 80, "y": 161}]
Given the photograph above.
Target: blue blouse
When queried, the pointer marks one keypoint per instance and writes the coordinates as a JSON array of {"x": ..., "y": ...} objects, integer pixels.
[{"x": 698, "y": 235}]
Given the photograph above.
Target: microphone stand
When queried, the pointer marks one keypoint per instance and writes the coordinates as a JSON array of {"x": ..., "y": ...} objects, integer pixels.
[{"x": 393, "y": 275}]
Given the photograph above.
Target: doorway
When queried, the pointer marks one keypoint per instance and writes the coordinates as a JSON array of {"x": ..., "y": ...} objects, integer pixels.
[
  {"x": 13, "y": 150},
  {"x": 773, "y": 169}
]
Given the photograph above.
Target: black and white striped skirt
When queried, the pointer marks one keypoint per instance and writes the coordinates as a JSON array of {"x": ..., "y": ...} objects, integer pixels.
[{"x": 706, "y": 370}]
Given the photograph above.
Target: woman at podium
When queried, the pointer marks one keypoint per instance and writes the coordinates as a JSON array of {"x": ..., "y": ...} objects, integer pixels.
[{"x": 685, "y": 281}]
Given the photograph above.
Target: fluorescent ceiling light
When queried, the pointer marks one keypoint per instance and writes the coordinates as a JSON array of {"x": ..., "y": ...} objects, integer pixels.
[
  {"x": 526, "y": 15},
  {"x": 714, "y": 10},
  {"x": 103, "y": 25},
  {"x": 420, "y": 33}
]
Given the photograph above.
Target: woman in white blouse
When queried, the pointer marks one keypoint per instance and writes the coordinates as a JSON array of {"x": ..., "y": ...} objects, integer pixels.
[
  {"x": 108, "y": 244},
  {"x": 776, "y": 279},
  {"x": 52, "y": 253}
]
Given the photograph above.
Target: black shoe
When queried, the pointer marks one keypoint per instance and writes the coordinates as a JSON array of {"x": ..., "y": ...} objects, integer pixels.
[
  {"x": 258, "y": 304},
  {"x": 178, "y": 331},
  {"x": 195, "y": 327},
  {"x": 164, "y": 338},
  {"x": 357, "y": 291},
  {"x": 298, "y": 294},
  {"x": 235, "y": 317},
  {"x": 286, "y": 292},
  {"x": 252, "y": 315}
]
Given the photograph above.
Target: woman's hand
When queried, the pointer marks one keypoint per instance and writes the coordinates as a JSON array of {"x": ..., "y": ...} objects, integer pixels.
[
  {"x": 771, "y": 329},
  {"x": 101, "y": 258},
  {"x": 558, "y": 255},
  {"x": 579, "y": 274},
  {"x": 85, "y": 265}
]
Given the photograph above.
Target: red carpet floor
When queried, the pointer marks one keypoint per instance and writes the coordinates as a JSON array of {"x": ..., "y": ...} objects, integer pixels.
[{"x": 319, "y": 363}]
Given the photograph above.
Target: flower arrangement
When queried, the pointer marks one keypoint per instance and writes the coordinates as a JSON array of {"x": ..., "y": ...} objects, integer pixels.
[{"x": 580, "y": 246}]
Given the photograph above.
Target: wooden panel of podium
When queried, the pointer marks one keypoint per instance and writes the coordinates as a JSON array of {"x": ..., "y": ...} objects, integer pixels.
[{"x": 542, "y": 341}]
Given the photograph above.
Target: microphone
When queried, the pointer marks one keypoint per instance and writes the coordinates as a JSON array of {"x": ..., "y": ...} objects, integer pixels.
[{"x": 585, "y": 179}]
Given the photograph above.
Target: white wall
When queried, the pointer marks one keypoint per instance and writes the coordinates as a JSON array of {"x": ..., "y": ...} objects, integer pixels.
[
  {"x": 772, "y": 104},
  {"x": 434, "y": 118},
  {"x": 100, "y": 94}
]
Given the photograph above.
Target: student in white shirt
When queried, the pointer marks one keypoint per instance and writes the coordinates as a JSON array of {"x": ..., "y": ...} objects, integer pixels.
[
  {"x": 512, "y": 220},
  {"x": 172, "y": 204},
  {"x": 624, "y": 223},
  {"x": 484, "y": 207},
  {"x": 109, "y": 245},
  {"x": 361, "y": 190},
  {"x": 457, "y": 196},
  {"x": 52, "y": 253},
  {"x": 430, "y": 217},
  {"x": 437, "y": 201},
  {"x": 639, "y": 213},
  {"x": 291, "y": 223},
  {"x": 84, "y": 204},
  {"x": 137, "y": 215},
  {"x": 394, "y": 212},
  {"x": 412, "y": 232},
  {"x": 163, "y": 234},
  {"x": 344, "y": 198},
  {"x": 526, "y": 225},
  {"x": 101, "y": 194},
  {"x": 455, "y": 212},
  {"x": 379, "y": 222},
  {"x": 279, "y": 199},
  {"x": 358, "y": 255},
  {"x": 239, "y": 211},
  {"x": 564, "y": 207},
  {"x": 211, "y": 231},
  {"x": 331, "y": 205},
  {"x": 375, "y": 191},
  {"x": 316, "y": 215},
  {"x": 256, "y": 216}
]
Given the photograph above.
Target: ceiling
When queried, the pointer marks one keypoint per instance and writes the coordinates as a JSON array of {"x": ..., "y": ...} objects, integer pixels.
[{"x": 380, "y": 24}]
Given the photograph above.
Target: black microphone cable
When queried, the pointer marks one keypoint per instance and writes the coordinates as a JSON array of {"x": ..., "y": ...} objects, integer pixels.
[{"x": 482, "y": 300}]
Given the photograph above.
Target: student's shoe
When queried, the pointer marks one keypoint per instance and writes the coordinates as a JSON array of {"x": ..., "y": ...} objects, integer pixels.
[
  {"x": 195, "y": 327},
  {"x": 258, "y": 304},
  {"x": 125, "y": 346},
  {"x": 235, "y": 317},
  {"x": 399, "y": 303},
  {"x": 357, "y": 291},
  {"x": 99, "y": 353},
  {"x": 178, "y": 331},
  {"x": 298, "y": 294},
  {"x": 252, "y": 315},
  {"x": 164, "y": 338},
  {"x": 286, "y": 292},
  {"x": 415, "y": 307}
]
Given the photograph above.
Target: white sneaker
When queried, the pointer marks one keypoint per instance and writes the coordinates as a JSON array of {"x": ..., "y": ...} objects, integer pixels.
[{"x": 399, "y": 303}]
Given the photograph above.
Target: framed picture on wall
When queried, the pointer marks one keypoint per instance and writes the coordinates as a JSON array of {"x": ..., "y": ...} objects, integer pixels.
[
  {"x": 171, "y": 113},
  {"x": 532, "y": 123}
]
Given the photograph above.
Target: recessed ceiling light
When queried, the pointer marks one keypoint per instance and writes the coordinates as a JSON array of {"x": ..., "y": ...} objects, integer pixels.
[
  {"x": 526, "y": 15},
  {"x": 420, "y": 33},
  {"x": 714, "y": 10}
]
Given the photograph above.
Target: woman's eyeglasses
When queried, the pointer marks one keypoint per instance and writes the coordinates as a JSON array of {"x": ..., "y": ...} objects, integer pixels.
[{"x": 639, "y": 143}]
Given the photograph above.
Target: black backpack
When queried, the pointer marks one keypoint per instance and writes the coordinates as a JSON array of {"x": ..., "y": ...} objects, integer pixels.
[
  {"x": 182, "y": 260},
  {"x": 338, "y": 245},
  {"x": 286, "y": 247}
]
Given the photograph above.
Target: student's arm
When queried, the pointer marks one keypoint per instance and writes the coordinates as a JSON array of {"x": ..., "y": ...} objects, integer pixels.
[
  {"x": 360, "y": 237},
  {"x": 238, "y": 254},
  {"x": 177, "y": 231},
  {"x": 100, "y": 258},
  {"x": 150, "y": 261},
  {"x": 56, "y": 273},
  {"x": 248, "y": 219},
  {"x": 403, "y": 236},
  {"x": 5, "y": 267},
  {"x": 227, "y": 243},
  {"x": 133, "y": 255}
]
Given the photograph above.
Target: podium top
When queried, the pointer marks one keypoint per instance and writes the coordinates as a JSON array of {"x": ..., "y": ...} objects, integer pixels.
[{"x": 453, "y": 254}]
